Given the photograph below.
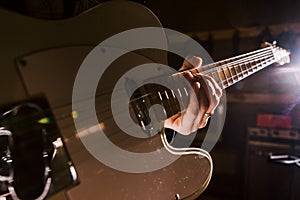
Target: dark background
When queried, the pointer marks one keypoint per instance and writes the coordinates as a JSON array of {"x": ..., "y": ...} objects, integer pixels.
[
  {"x": 185, "y": 16},
  {"x": 211, "y": 15}
]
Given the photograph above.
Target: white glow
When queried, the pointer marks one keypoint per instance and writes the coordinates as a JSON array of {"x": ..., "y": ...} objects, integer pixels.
[{"x": 91, "y": 130}]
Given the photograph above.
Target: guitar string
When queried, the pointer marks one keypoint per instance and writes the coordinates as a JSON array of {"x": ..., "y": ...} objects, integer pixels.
[
  {"x": 212, "y": 67},
  {"x": 241, "y": 62},
  {"x": 227, "y": 65},
  {"x": 266, "y": 58},
  {"x": 266, "y": 63},
  {"x": 241, "y": 73},
  {"x": 259, "y": 56},
  {"x": 220, "y": 66},
  {"x": 216, "y": 68},
  {"x": 244, "y": 60},
  {"x": 238, "y": 73},
  {"x": 256, "y": 52},
  {"x": 238, "y": 58},
  {"x": 71, "y": 124},
  {"x": 256, "y": 67},
  {"x": 226, "y": 83}
]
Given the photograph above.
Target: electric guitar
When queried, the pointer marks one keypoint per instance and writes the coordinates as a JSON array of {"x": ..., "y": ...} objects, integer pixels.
[{"x": 44, "y": 56}]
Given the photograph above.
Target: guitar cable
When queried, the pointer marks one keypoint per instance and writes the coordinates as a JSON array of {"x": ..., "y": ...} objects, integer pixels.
[{"x": 189, "y": 151}]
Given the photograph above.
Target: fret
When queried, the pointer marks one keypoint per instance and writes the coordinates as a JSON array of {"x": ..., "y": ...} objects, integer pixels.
[
  {"x": 234, "y": 74},
  {"x": 265, "y": 61},
  {"x": 260, "y": 65},
  {"x": 223, "y": 77},
  {"x": 227, "y": 67},
  {"x": 231, "y": 70},
  {"x": 231, "y": 74},
  {"x": 227, "y": 74},
  {"x": 218, "y": 78},
  {"x": 238, "y": 71},
  {"x": 244, "y": 68},
  {"x": 256, "y": 64},
  {"x": 213, "y": 72},
  {"x": 249, "y": 67},
  {"x": 241, "y": 69}
]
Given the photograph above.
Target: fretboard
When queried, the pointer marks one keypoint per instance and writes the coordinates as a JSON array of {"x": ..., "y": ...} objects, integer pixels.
[
  {"x": 230, "y": 71},
  {"x": 225, "y": 72}
]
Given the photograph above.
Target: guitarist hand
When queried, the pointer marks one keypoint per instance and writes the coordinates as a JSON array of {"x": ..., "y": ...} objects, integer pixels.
[{"x": 208, "y": 94}]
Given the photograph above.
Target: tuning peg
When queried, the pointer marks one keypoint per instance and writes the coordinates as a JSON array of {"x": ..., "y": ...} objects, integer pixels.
[{"x": 268, "y": 44}]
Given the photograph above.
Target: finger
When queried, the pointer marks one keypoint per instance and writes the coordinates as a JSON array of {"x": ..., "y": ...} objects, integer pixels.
[
  {"x": 173, "y": 122},
  {"x": 204, "y": 121},
  {"x": 205, "y": 107},
  {"x": 188, "y": 120},
  {"x": 214, "y": 100},
  {"x": 210, "y": 92},
  {"x": 206, "y": 86},
  {"x": 190, "y": 63},
  {"x": 217, "y": 87},
  {"x": 197, "y": 107}
]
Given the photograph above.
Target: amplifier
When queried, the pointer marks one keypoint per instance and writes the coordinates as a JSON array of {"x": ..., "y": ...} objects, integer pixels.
[{"x": 274, "y": 133}]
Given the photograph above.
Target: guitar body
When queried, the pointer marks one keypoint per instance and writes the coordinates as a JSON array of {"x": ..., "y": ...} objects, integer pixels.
[{"x": 40, "y": 56}]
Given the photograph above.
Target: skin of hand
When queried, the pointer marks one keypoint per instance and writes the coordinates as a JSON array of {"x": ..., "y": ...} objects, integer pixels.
[{"x": 202, "y": 102}]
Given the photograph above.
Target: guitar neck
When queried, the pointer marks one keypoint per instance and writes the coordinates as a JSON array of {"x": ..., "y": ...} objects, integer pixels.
[
  {"x": 230, "y": 71},
  {"x": 225, "y": 72}
]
